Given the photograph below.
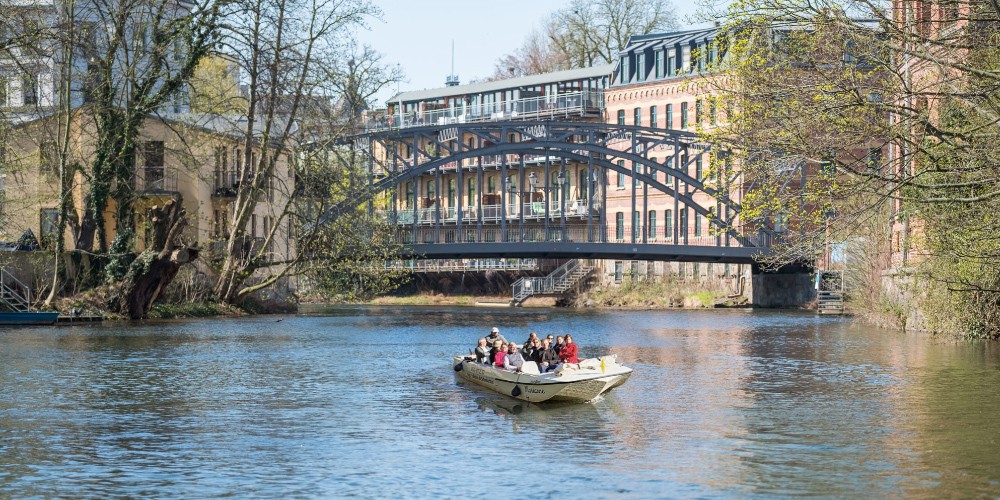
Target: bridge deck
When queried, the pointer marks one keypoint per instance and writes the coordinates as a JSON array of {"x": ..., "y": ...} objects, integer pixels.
[{"x": 578, "y": 250}]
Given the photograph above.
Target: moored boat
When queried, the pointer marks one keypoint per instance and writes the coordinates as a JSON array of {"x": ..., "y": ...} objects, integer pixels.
[
  {"x": 572, "y": 382},
  {"x": 28, "y": 318}
]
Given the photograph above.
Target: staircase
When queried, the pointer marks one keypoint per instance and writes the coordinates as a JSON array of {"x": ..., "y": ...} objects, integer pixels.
[
  {"x": 15, "y": 296},
  {"x": 830, "y": 292},
  {"x": 563, "y": 279}
]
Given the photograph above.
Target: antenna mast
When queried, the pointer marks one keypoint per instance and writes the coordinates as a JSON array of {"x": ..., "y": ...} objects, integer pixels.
[{"x": 452, "y": 79}]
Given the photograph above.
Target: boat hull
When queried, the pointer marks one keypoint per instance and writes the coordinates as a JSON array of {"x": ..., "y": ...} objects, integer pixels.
[
  {"x": 578, "y": 386},
  {"x": 28, "y": 318}
]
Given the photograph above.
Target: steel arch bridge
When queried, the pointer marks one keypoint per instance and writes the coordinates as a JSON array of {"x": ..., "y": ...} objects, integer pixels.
[{"x": 658, "y": 159}]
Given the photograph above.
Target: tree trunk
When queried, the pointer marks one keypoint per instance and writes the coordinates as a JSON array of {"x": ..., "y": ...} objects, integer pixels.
[{"x": 157, "y": 266}]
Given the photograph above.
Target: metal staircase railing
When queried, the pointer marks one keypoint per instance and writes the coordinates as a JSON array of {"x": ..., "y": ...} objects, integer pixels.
[
  {"x": 564, "y": 278},
  {"x": 830, "y": 292},
  {"x": 14, "y": 295}
]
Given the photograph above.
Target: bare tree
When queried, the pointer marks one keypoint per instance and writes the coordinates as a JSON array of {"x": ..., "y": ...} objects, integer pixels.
[
  {"x": 306, "y": 84},
  {"x": 586, "y": 33},
  {"x": 534, "y": 57}
]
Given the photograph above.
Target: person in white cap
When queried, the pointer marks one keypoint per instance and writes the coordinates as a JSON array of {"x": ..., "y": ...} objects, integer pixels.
[{"x": 494, "y": 336}]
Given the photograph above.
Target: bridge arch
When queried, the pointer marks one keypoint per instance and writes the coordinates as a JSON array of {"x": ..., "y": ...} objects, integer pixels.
[{"x": 441, "y": 147}]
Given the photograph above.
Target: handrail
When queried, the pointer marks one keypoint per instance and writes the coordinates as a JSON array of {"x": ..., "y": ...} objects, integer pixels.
[
  {"x": 530, "y": 107},
  {"x": 22, "y": 303},
  {"x": 559, "y": 280}
]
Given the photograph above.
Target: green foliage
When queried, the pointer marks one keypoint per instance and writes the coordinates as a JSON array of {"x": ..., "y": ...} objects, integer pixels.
[
  {"x": 348, "y": 259},
  {"x": 883, "y": 142},
  {"x": 186, "y": 310},
  {"x": 120, "y": 256},
  {"x": 705, "y": 298}
]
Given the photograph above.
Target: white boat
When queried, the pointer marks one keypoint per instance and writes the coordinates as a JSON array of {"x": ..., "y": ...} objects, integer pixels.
[{"x": 571, "y": 382}]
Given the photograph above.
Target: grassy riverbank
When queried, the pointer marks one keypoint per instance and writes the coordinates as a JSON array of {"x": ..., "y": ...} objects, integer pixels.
[
  {"x": 627, "y": 295},
  {"x": 659, "y": 295}
]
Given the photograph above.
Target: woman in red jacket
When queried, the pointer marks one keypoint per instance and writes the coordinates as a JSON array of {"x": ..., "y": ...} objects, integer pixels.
[
  {"x": 498, "y": 357},
  {"x": 568, "y": 353}
]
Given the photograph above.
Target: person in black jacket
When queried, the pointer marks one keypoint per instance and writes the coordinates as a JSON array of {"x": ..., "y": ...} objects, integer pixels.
[
  {"x": 548, "y": 359},
  {"x": 529, "y": 349}
]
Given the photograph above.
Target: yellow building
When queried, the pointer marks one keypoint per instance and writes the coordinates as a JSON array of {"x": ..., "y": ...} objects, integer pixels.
[{"x": 200, "y": 160}]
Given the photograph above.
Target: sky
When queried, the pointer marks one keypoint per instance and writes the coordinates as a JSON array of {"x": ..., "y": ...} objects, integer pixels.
[{"x": 418, "y": 35}]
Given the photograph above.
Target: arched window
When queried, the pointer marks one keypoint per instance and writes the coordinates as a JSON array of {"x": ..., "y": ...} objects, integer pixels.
[
  {"x": 620, "y": 226},
  {"x": 651, "y": 225}
]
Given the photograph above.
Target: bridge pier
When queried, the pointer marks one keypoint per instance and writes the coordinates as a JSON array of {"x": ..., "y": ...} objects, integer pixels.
[{"x": 787, "y": 287}]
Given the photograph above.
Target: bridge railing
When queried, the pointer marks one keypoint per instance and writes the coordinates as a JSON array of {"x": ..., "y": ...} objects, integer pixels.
[
  {"x": 529, "y": 233},
  {"x": 446, "y": 265},
  {"x": 533, "y": 108}
]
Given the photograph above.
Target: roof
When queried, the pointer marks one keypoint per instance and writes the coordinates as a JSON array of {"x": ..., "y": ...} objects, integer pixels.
[
  {"x": 510, "y": 83},
  {"x": 640, "y": 42}
]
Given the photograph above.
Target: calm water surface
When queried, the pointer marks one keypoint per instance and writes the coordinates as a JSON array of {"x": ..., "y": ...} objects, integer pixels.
[{"x": 364, "y": 402}]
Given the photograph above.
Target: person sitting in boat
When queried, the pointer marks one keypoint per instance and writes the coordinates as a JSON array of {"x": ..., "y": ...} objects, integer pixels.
[
  {"x": 548, "y": 359},
  {"x": 495, "y": 336},
  {"x": 494, "y": 347},
  {"x": 482, "y": 352},
  {"x": 529, "y": 348},
  {"x": 569, "y": 352},
  {"x": 558, "y": 346},
  {"x": 513, "y": 361},
  {"x": 531, "y": 340},
  {"x": 498, "y": 357},
  {"x": 536, "y": 355}
]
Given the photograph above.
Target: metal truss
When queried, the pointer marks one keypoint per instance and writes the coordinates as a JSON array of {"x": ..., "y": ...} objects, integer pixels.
[{"x": 397, "y": 156}]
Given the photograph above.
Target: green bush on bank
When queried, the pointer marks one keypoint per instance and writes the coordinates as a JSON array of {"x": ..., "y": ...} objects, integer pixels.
[
  {"x": 188, "y": 310},
  {"x": 655, "y": 294}
]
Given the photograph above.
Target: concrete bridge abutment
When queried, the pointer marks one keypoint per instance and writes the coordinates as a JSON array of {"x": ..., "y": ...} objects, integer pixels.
[{"x": 791, "y": 286}]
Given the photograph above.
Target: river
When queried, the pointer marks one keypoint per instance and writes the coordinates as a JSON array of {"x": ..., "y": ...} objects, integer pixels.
[{"x": 363, "y": 401}]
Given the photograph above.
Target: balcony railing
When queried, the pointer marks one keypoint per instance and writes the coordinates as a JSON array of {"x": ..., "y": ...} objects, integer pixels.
[
  {"x": 490, "y": 213},
  {"x": 156, "y": 179},
  {"x": 582, "y": 103},
  {"x": 225, "y": 184}
]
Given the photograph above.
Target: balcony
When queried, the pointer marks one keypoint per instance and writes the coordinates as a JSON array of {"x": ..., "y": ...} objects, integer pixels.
[
  {"x": 582, "y": 104},
  {"x": 225, "y": 184},
  {"x": 156, "y": 180}
]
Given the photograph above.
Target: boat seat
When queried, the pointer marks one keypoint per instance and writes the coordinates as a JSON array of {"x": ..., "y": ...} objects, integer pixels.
[{"x": 530, "y": 367}]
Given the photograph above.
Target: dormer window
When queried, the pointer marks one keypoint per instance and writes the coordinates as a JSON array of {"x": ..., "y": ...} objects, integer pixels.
[
  {"x": 686, "y": 59},
  {"x": 659, "y": 63},
  {"x": 640, "y": 67}
]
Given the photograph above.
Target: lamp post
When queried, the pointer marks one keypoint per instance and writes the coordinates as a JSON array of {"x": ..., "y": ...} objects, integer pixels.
[
  {"x": 560, "y": 182},
  {"x": 512, "y": 189}
]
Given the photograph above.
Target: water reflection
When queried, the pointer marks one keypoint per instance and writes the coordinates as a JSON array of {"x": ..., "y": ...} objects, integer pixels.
[{"x": 363, "y": 401}]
